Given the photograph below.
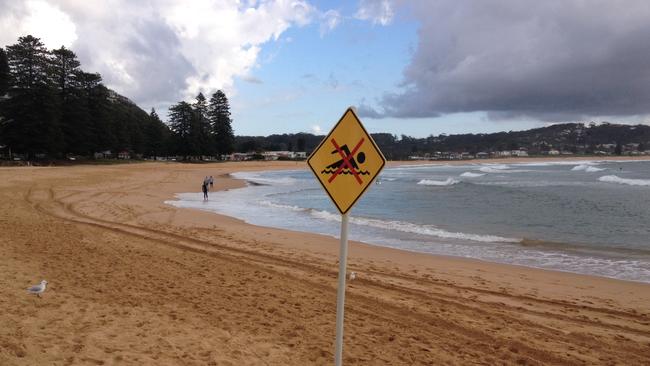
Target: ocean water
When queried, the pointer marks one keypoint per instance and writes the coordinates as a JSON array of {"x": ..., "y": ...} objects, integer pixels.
[{"x": 590, "y": 217}]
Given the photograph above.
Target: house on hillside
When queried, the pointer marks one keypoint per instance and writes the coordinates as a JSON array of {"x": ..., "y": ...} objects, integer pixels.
[{"x": 106, "y": 154}]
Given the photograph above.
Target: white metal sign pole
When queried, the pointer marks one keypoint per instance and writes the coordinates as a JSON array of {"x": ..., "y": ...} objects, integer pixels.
[{"x": 340, "y": 296}]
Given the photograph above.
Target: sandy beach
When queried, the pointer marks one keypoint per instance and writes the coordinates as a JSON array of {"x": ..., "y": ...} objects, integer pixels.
[{"x": 133, "y": 281}]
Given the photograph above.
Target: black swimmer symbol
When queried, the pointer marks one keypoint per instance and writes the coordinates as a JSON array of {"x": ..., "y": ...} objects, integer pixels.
[{"x": 348, "y": 164}]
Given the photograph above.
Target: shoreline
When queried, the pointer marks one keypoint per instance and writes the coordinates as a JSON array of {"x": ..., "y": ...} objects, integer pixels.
[
  {"x": 138, "y": 282},
  {"x": 243, "y": 183}
]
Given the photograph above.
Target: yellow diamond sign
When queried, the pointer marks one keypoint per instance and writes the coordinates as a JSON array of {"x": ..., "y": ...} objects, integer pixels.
[{"x": 347, "y": 161}]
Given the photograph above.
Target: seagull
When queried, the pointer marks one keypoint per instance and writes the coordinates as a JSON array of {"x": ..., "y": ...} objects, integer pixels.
[
  {"x": 353, "y": 275},
  {"x": 38, "y": 289}
]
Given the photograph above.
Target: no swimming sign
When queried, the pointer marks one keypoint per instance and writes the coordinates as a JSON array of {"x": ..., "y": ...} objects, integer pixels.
[{"x": 346, "y": 161}]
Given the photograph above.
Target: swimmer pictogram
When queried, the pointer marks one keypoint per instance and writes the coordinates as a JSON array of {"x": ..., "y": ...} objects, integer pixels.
[{"x": 348, "y": 163}]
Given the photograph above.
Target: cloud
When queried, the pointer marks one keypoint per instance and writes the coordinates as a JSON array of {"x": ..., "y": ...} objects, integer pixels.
[
  {"x": 316, "y": 130},
  {"x": 549, "y": 60},
  {"x": 376, "y": 11},
  {"x": 329, "y": 20},
  {"x": 158, "y": 52},
  {"x": 36, "y": 17},
  {"x": 252, "y": 79}
]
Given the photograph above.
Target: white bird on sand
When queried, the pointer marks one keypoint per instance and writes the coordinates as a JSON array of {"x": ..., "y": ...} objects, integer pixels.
[
  {"x": 38, "y": 289},
  {"x": 353, "y": 275}
]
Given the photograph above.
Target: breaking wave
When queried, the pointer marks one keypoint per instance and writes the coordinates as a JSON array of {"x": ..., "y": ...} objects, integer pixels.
[
  {"x": 408, "y": 227},
  {"x": 500, "y": 169},
  {"x": 628, "y": 181},
  {"x": 256, "y": 178},
  {"x": 587, "y": 168},
  {"x": 471, "y": 175},
  {"x": 430, "y": 182},
  {"x": 286, "y": 207}
]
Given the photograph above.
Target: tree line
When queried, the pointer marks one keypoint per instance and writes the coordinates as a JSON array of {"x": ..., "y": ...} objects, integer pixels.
[
  {"x": 50, "y": 108},
  {"x": 202, "y": 128},
  {"x": 574, "y": 137}
]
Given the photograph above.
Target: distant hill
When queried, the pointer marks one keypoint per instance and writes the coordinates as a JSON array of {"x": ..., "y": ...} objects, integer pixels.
[
  {"x": 576, "y": 138},
  {"x": 50, "y": 108}
]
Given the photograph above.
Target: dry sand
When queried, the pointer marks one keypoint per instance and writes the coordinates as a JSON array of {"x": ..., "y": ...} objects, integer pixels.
[{"x": 133, "y": 281}]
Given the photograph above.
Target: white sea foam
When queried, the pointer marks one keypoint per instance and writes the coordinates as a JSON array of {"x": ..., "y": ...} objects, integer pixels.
[
  {"x": 286, "y": 207},
  {"x": 499, "y": 170},
  {"x": 408, "y": 227},
  {"x": 429, "y": 182},
  {"x": 580, "y": 167},
  {"x": 587, "y": 168},
  {"x": 258, "y": 179},
  {"x": 419, "y": 166},
  {"x": 628, "y": 181},
  {"x": 471, "y": 175},
  {"x": 558, "y": 163},
  {"x": 497, "y": 166}
]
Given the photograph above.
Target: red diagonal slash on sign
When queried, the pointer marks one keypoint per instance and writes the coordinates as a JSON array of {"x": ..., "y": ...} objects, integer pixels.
[{"x": 346, "y": 161}]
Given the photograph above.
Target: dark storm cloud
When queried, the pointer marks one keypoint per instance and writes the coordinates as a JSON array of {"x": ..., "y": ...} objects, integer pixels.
[
  {"x": 161, "y": 67},
  {"x": 551, "y": 60},
  {"x": 144, "y": 62}
]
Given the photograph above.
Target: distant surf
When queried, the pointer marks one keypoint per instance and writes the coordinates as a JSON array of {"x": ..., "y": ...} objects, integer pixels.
[
  {"x": 431, "y": 182},
  {"x": 501, "y": 169},
  {"x": 587, "y": 168},
  {"x": 627, "y": 181},
  {"x": 471, "y": 175}
]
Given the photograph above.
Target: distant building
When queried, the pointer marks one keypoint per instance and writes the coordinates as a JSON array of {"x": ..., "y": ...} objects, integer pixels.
[
  {"x": 106, "y": 154},
  {"x": 501, "y": 154},
  {"x": 519, "y": 153},
  {"x": 239, "y": 156}
]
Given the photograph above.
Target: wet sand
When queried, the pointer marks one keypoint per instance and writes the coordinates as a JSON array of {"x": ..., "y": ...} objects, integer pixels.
[{"x": 133, "y": 281}]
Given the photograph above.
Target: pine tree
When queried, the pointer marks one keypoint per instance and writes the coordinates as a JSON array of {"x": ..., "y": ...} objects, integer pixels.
[
  {"x": 153, "y": 115},
  {"x": 75, "y": 116},
  {"x": 31, "y": 125},
  {"x": 201, "y": 129},
  {"x": 219, "y": 116},
  {"x": 64, "y": 70},
  {"x": 4, "y": 87},
  {"x": 157, "y": 135},
  {"x": 28, "y": 63},
  {"x": 4, "y": 73},
  {"x": 181, "y": 116},
  {"x": 94, "y": 97}
]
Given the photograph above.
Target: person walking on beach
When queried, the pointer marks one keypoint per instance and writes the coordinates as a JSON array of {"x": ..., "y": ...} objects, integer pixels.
[
  {"x": 211, "y": 180},
  {"x": 204, "y": 188}
]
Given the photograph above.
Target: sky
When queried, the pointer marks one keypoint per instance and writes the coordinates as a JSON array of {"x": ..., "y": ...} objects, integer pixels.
[{"x": 417, "y": 67}]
